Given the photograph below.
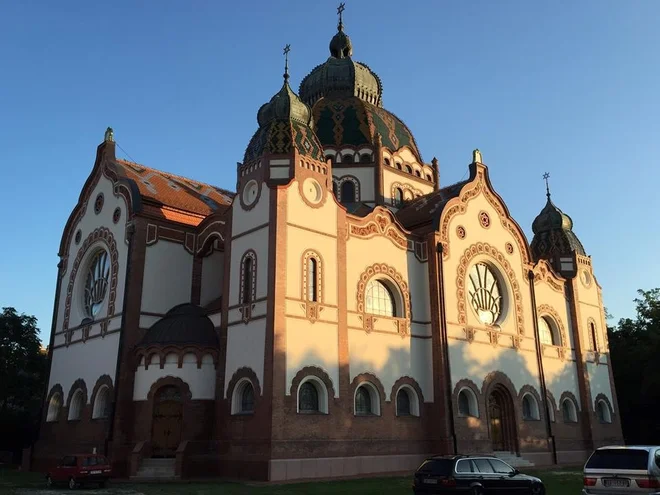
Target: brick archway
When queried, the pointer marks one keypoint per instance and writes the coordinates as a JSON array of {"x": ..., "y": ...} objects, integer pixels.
[
  {"x": 500, "y": 408},
  {"x": 168, "y": 399}
]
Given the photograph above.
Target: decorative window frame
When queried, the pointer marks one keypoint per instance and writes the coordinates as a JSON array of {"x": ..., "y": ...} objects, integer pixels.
[
  {"x": 491, "y": 255},
  {"x": 568, "y": 396},
  {"x": 103, "y": 383},
  {"x": 405, "y": 189},
  {"x": 594, "y": 341},
  {"x": 247, "y": 307},
  {"x": 339, "y": 182},
  {"x": 321, "y": 394},
  {"x": 312, "y": 308},
  {"x": 237, "y": 397},
  {"x": 99, "y": 235},
  {"x": 603, "y": 399},
  {"x": 412, "y": 397},
  {"x": 55, "y": 393},
  {"x": 534, "y": 408},
  {"x": 384, "y": 272}
]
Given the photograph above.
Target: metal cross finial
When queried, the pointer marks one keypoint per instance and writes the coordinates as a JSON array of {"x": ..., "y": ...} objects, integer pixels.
[
  {"x": 340, "y": 10},
  {"x": 546, "y": 176},
  {"x": 287, "y": 49}
]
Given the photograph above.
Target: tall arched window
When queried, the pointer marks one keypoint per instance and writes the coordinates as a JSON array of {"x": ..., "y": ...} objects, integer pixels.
[
  {"x": 485, "y": 293},
  {"x": 101, "y": 403},
  {"x": 76, "y": 406},
  {"x": 409, "y": 169},
  {"x": 247, "y": 280},
  {"x": 54, "y": 406},
  {"x": 403, "y": 403},
  {"x": 569, "y": 411},
  {"x": 248, "y": 275},
  {"x": 362, "y": 402},
  {"x": 308, "y": 398},
  {"x": 312, "y": 279},
  {"x": 247, "y": 399},
  {"x": 379, "y": 299},
  {"x": 398, "y": 197},
  {"x": 546, "y": 334},
  {"x": 593, "y": 336},
  {"x": 603, "y": 411},
  {"x": 347, "y": 192}
]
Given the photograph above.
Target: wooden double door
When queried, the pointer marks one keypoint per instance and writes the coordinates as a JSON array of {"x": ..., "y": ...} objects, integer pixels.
[
  {"x": 167, "y": 422},
  {"x": 502, "y": 420}
]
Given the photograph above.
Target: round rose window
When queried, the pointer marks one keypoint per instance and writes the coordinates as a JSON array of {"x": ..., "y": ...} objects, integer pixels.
[{"x": 485, "y": 293}]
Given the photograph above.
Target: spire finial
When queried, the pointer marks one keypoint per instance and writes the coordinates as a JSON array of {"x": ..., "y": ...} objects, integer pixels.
[
  {"x": 287, "y": 49},
  {"x": 340, "y": 11},
  {"x": 109, "y": 135},
  {"x": 546, "y": 176}
]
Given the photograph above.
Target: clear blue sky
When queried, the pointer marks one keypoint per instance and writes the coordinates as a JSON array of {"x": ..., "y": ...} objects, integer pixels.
[{"x": 566, "y": 87}]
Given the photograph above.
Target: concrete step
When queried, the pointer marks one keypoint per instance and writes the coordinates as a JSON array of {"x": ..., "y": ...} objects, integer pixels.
[
  {"x": 156, "y": 470},
  {"x": 514, "y": 460}
]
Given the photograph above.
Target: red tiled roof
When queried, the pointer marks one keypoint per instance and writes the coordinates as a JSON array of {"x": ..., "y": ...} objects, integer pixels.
[{"x": 175, "y": 191}]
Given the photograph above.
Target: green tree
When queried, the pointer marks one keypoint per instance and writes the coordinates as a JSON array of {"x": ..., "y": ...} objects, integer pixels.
[
  {"x": 634, "y": 350},
  {"x": 23, "y": 367}
]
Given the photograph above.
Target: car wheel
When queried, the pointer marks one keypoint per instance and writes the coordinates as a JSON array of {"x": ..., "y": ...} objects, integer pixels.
[
  {"x": 477, "y": 490},
  {"x": 538, "y": 489},
  {"x": 72, "y": 484}
]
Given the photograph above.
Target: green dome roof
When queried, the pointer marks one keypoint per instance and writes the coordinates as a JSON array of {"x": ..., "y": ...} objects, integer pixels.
[
  {"x": 284, "y": 105},
  {"x": 553, "y": 233},
  {"x": 352, "y": 121}
]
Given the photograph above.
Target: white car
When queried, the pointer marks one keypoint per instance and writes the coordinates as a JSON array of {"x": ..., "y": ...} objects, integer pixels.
[{"x": 619, "y": 470}]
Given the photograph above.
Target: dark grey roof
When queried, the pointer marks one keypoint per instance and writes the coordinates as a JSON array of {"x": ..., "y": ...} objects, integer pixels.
[{"x": 183, "y": 324}]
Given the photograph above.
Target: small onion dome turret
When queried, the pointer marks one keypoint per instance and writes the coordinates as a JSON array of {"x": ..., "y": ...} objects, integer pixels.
[
  {"x": 185, "y": 324},
  {"x": 553, "y": 234}
]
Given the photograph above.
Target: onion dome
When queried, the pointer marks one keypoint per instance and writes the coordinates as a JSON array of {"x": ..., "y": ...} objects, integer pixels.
[
  {"x": 185, "y": 324},
  {"x": 285, "y": 124},
  {"x": 553, "y": 233}
]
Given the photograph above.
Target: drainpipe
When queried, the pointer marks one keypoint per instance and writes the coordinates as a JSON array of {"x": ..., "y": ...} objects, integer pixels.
[
  {"x": 539, "y": 358},
  {"x": 130, "y": 231},
  {"x": 445, "y": 347}
]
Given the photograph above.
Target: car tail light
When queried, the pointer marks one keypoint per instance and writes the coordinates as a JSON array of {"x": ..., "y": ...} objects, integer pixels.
[
  {"x": 648, "y": 483},
  {"x": 448, "y": 482},
  {"x": 590, "y": 482}
]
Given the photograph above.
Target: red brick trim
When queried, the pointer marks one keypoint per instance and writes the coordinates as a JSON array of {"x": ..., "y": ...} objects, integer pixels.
[
  {"x": 497, "y": 378},
  {"x": 319, "y": 373},
  {"x": 361, "y": 379},
  {"x": 55, "y": 389},
  {"x": 102, "y": 380},
  {"x": 529, "y": 389},
  {"x": 552, "y": 402},
  {"x": 104, "y": 235},
  {"x": 78, "y": 384},
  {"x": 348, "y": 178},
  {"x": 239, "y": 375},
  {"x": 163, "y": 350},
  {"x": 186, "y": 394},
  {"x": 469, "y": 384}
]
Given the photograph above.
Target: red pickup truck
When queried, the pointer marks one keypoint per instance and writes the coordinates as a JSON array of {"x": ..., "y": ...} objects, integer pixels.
[{"x": 80, "y": 469}]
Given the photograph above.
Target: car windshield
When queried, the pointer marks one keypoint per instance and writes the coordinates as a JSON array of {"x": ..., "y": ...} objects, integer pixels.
[
  {"x": 436, "y": 467},
  {"x": 619, "y": 459}
]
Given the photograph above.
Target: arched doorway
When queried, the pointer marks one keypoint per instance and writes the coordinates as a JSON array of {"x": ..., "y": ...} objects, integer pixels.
[
  {"x": 167, "y": 422},
  {"x": 502, "y": 420}
]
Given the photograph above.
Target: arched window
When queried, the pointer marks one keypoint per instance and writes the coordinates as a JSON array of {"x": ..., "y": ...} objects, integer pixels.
[
  {"x": 101, "y": 403},
  {"x": 54, "y": 406},
  {"x": 547, "y": 335},
  {"x": 569, "y": 411},
  {"x": 308, "y": 398},
  {"x": 367, "y": 400},
  {"x": 403, "y": 403},
  {"x": 418, "y": 173},
  {"x": 347, "y": 192},
  {"x": 603, "y": 412},
  {"x": 485, "y": 293},
  {"x": 76, "y": 406},
  {"x": 334, "y": 189},
  {"x": 398, "y": 165},
  {"x": 247, "y": 398},
  {"x": 593, "y": 336},
  {"x": 379, "y": 299},
  {"x": 96, "y": 283},
  {"x": 248, "y": 275},
  {"x": 365, "y": 158},
  {"x": 467, "y": 403},
  {"x": 429, "y": 178},
  {"x": 551, "y": 409},
  {"x": 387, "y": 161},
  {"x": 347, "y": 159},
  {"x": 397, "y": 200},
  {"x": 409, "y": 169},
  {"x": 312, "y": 279},
  {"x": 530, "y": 407}
]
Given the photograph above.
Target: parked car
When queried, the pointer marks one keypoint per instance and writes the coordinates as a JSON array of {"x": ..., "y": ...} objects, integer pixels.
[
  {"x": 80, "y": 469},
  {"x": 621, "y": 470},
  {"x": 472, "y": 475}
]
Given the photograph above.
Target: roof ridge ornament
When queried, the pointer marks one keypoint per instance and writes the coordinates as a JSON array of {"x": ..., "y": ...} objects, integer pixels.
[
  {"x": 340, "y": 11},
  {"x": 109, "y": 136},
  {"x": 476, "y": 156},
  {"x": 287, "y": 49},
  {"x": 546, "y": 176}
]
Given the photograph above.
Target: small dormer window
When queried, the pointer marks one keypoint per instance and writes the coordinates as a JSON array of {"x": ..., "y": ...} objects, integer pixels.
[
  {"x": 409, "y": 169},
  {"x": 347, "y": 159},
  {"x": 365, "y": 158}
]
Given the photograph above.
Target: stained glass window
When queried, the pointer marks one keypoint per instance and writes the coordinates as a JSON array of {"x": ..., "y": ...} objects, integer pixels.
[
  {"x": 308, "y": 398},
  {"x": 546, "y": 335},
  {"x": 96, "y": 284},
  {"x": 379, "y": 299},
  {"x": 485, "y": 293},
  {"x": 362, "y": 402}
]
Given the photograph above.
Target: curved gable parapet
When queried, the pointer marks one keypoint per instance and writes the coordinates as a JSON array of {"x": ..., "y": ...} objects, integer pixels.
[
  {"x": 380, "y": 222},
  {"x": 543, "y": 272},
  {"x": 211, "y": 228},
  {"x": 104, "y": 166},
  {"x": 479, "y": 183}
]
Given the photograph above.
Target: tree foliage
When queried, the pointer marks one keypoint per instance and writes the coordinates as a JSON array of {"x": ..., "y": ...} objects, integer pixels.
[
  {"x": 23, "y": 368},
  {"x": 634, "y": 351}
]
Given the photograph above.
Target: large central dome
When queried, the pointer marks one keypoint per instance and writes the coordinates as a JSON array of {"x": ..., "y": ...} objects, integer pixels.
[{"x": 347, "y": 102}]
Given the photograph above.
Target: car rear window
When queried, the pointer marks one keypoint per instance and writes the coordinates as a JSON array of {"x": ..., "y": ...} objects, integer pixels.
[
  {"x": 436, "y": 467},
  {"x": 619, "y": 459}
]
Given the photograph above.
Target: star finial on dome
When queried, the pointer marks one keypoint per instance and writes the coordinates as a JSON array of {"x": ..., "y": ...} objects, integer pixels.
[
  {"x": 340, "y": 11},
  {"x": 287, "y": 49},
  {"x": 546, "y": 176}
]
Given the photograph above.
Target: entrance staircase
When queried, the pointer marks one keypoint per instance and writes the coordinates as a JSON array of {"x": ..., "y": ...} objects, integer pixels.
[
  {"x": 512, "y": 459},
  {"x": 156, "y": 470}
]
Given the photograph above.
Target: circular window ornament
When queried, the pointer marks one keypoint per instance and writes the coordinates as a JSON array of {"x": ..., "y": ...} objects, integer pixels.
[
  {"x": 509, "y": 248},
  {"x": 250, "y": 192},
  {"x": 485, "y": 293},
  {"x": 96, "y": 283},
  {"x": 98, "y": 203},
  {"x": 484, "y": 219},
  {"x": 78, "y": 236},
  {"x": 116, "y": 215},
  {"x": 460, "y": 232},
  {"x": 585, "y": 277},
  {"x": 312, "y": 191}
]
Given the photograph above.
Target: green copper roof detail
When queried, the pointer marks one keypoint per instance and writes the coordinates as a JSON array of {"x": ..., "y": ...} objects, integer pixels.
[{"x": 553, "y": 233}]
